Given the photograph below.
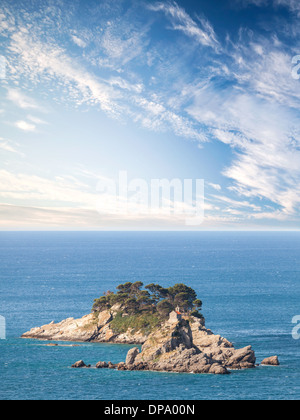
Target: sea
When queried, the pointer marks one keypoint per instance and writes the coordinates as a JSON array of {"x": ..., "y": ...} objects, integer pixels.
[{"x": 249, "y": 283}]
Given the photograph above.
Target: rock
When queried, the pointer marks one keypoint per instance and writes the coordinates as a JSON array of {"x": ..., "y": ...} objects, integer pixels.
[
  {"x": 271, "y": 361},
  {"x": 122, "y": 366},
  {"x": 131, "y": 356},
  {"x": 141, "y": 366},
  {"x": 241, "y": 359},
  {"x": 101, "y": 365},
  {"x": 171, "y": 349},
  {"x": 112, "y": 365},
  {"x": 181, "y": 344},
  {"x": 187, "y": 346},
  {"x": 80, "y": 365},
  {"x": 217, "y": 369},
  {"x": 90, "y": 328}
]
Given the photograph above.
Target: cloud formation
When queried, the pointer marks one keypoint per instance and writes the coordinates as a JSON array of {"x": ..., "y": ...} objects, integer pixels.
[{"x": 235, "y": 91}]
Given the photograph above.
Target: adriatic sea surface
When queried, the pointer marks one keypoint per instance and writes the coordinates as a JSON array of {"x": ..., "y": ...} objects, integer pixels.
[{"x": 249, "y": 283}]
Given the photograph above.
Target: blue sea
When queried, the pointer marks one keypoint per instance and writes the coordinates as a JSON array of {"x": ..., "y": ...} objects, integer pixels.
[{"x": 249, "y": 284}]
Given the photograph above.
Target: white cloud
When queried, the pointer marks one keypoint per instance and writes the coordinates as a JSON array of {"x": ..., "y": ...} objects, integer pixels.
[
  {"x": 119, "y": 97},
  {"x": 9, "y": 146},
  {"x": 20, "y": 99},
  {"x": 123, "y": 44},
  {"x": 78, "y": 41},
  {"x": 237, "y": 204},
  {"x": 36, "y": 120},
  {"x": 25, "y": 126},
  {"x": 37, "y": 59},
  {"x": 65, "y": 196},
  {"x": 216, "y": 187}
]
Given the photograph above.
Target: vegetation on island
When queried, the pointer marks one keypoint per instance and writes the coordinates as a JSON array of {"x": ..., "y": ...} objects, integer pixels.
[{"x": 144, "y": 308}]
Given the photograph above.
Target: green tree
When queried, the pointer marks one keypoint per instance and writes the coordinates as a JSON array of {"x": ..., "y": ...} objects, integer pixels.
[
  {"x": 131, "y": 305},
  {"x": 182, "y": 295},
  {"x": 164, "y": 308},
  {"x": 157, "y": 291},
  {"x": 135, "y": 288},
  {"x": 153, "y": 300},
  {"x": 124, "y": 288}
]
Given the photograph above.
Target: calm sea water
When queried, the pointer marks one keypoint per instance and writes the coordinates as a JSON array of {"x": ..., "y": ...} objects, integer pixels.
[{"x": 249, "y": 283}]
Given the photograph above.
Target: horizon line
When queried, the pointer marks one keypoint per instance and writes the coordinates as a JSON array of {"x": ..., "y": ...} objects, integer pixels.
[{"x": 149, "y": 230}]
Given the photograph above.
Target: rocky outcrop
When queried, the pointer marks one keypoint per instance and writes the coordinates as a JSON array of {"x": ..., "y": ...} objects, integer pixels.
[
  {"x": 68, "y": 330},
  {"x": 271, "y": 361},
  {"x": 185, "y": 345},
  {"x": 131, "y": 356},
  {"x": 90, "y": 328},
  {"x": 181, "y": 344}
]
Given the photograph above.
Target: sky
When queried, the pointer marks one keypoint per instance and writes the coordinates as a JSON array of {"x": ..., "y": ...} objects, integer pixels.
[{"x": 162, "y": 90}]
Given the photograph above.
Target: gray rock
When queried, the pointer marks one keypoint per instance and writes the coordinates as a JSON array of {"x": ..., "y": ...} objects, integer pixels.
[{"x": 131, "y": 356}]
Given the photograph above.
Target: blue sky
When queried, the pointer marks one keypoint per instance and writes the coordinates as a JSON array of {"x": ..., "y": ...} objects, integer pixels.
[{"x": 187, "y": 89}]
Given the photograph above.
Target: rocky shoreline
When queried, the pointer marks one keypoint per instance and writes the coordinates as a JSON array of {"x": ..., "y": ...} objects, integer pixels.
[
  {"x": 89, "y": 328},
  {"x": 179, "y": 345}
]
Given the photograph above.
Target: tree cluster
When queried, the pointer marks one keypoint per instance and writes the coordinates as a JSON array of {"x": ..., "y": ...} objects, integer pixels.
[{"x": 154, "y": 298}]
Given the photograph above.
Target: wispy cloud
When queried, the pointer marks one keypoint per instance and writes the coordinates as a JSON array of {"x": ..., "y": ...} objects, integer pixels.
[
  {"x": 292, "y": 5},
  {"x": 35, "y": 59},
  {"x": 216, "y": 187},
  {"x": 9, "y": 146},
  {"x": 21, "y": 100},
  {"x": 202, "y": 31},
  {"x": 51, "y": 61},
  {"x": 36, "y": 120}
]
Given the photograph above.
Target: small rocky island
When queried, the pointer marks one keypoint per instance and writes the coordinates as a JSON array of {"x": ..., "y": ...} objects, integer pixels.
[{"x": 166, "y": 322}]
